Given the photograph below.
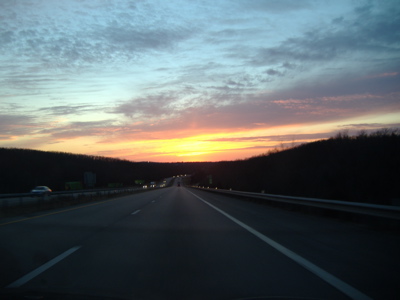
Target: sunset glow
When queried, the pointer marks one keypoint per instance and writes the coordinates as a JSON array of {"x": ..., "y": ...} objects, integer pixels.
[{"x": 171, "y": 81}]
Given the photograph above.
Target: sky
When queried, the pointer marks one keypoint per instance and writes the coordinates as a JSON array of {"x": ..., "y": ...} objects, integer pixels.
[{"x": 206, "y": 80}]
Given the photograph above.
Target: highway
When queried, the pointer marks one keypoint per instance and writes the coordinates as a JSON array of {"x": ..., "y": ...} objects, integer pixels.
[{"x": 183, "y": 243}]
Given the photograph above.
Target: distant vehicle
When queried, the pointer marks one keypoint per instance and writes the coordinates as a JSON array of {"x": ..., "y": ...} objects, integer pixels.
[
  {"x": 41, "y": 190},
  {"x": 179, "y": 184}
]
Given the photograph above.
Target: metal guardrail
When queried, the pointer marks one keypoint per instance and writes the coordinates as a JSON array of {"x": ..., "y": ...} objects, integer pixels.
[
  {"x": 17, "y": 195},
  {"x": 382, "y": 211},
  {"x": 19, "y": 199}
]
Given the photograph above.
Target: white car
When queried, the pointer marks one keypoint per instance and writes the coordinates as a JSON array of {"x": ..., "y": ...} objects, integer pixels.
[{"x": 41, "y": 190}]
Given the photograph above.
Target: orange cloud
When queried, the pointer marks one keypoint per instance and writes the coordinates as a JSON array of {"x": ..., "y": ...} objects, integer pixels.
[{"x": 389, "y": 74}]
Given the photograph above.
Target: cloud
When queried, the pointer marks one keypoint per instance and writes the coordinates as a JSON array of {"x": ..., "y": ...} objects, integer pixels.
[
  {"x": 372, "y": 32},
  {"x": 276, "y": 6},
  {"x": 211, "y": 118},
  {"x": 12, "y": 125},
  {"x": 130, "y": 39},
  {"x": 151, "y": 106},
  {"x": 325, "y": 109},
  {"x": 72, "y": 39},
  {"x": 73, "y": 130},
  {"x": 368, "y": 127},
  {"x": 45, "y": 129},
  {"x": 62, "y": 110},
  {"x": 273, "y": 72},
  {"x": 237, "y": 104},
  {"x": 387, "y": 74},
  {"x": 269, "y": 138},
  {"x": 161, "y": 70},
  {"x": 6, "y": 37},
  {"x": 345, "y": 83}
]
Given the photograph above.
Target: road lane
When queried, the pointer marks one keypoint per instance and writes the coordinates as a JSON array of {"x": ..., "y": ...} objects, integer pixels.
[
  {"x": 160, "y": 244},
  {"x": 321, "y": 273},
  {"x": 30, "y": 241},
  {"x": 365, "y": 257}
]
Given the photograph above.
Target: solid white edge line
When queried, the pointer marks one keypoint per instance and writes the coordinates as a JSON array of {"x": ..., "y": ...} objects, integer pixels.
[
  {"x": 42, "y": 268},
  {"x": 135, "y": 212},
  {"x": 324, "y": 275}
]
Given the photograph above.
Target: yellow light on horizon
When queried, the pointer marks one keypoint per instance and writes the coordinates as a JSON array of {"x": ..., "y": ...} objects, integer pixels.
[{"x": 191, "y": 145}]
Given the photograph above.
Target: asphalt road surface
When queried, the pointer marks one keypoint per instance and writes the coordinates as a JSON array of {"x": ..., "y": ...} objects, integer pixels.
[{"x": 182, "y": 243}]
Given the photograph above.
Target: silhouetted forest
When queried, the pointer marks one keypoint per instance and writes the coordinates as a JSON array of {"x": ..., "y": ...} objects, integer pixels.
[
  {"x": 23, "y": 169},
  {"x": 362, "y": 168}
]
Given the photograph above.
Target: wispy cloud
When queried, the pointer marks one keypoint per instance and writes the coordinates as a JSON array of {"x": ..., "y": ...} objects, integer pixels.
[
  {"x": 87, "y": 39},
  {"x": 276, "y": 6},
  {"x": 109, "y": 75},
  {"x": 63, "y": 110},
  {"x": 80, "y": 129},
  {"x": 268, "y": 138},
  {"x": 12, "y": 126},
  {"x": 366, "y": 31},
  {"x": 250, "y": 113},
  {"x": 382, "y": 75}
]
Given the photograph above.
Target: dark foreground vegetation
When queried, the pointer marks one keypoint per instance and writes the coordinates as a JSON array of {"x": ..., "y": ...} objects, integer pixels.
[
  {"x": 362, "y": 168},
  {"x": 23, "y": 169}
]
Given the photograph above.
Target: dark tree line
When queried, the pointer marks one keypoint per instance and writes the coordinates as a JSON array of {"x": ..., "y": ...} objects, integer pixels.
[
  {"x": 23, "y": 169},
  {"x": 362, "y": 168}
]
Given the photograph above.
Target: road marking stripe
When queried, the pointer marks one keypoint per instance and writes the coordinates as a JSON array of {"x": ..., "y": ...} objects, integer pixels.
[
  {"x": 42, "y": 268},
  {"x": 135, "y": 212},
  {"x": 324, "y": 275}
]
